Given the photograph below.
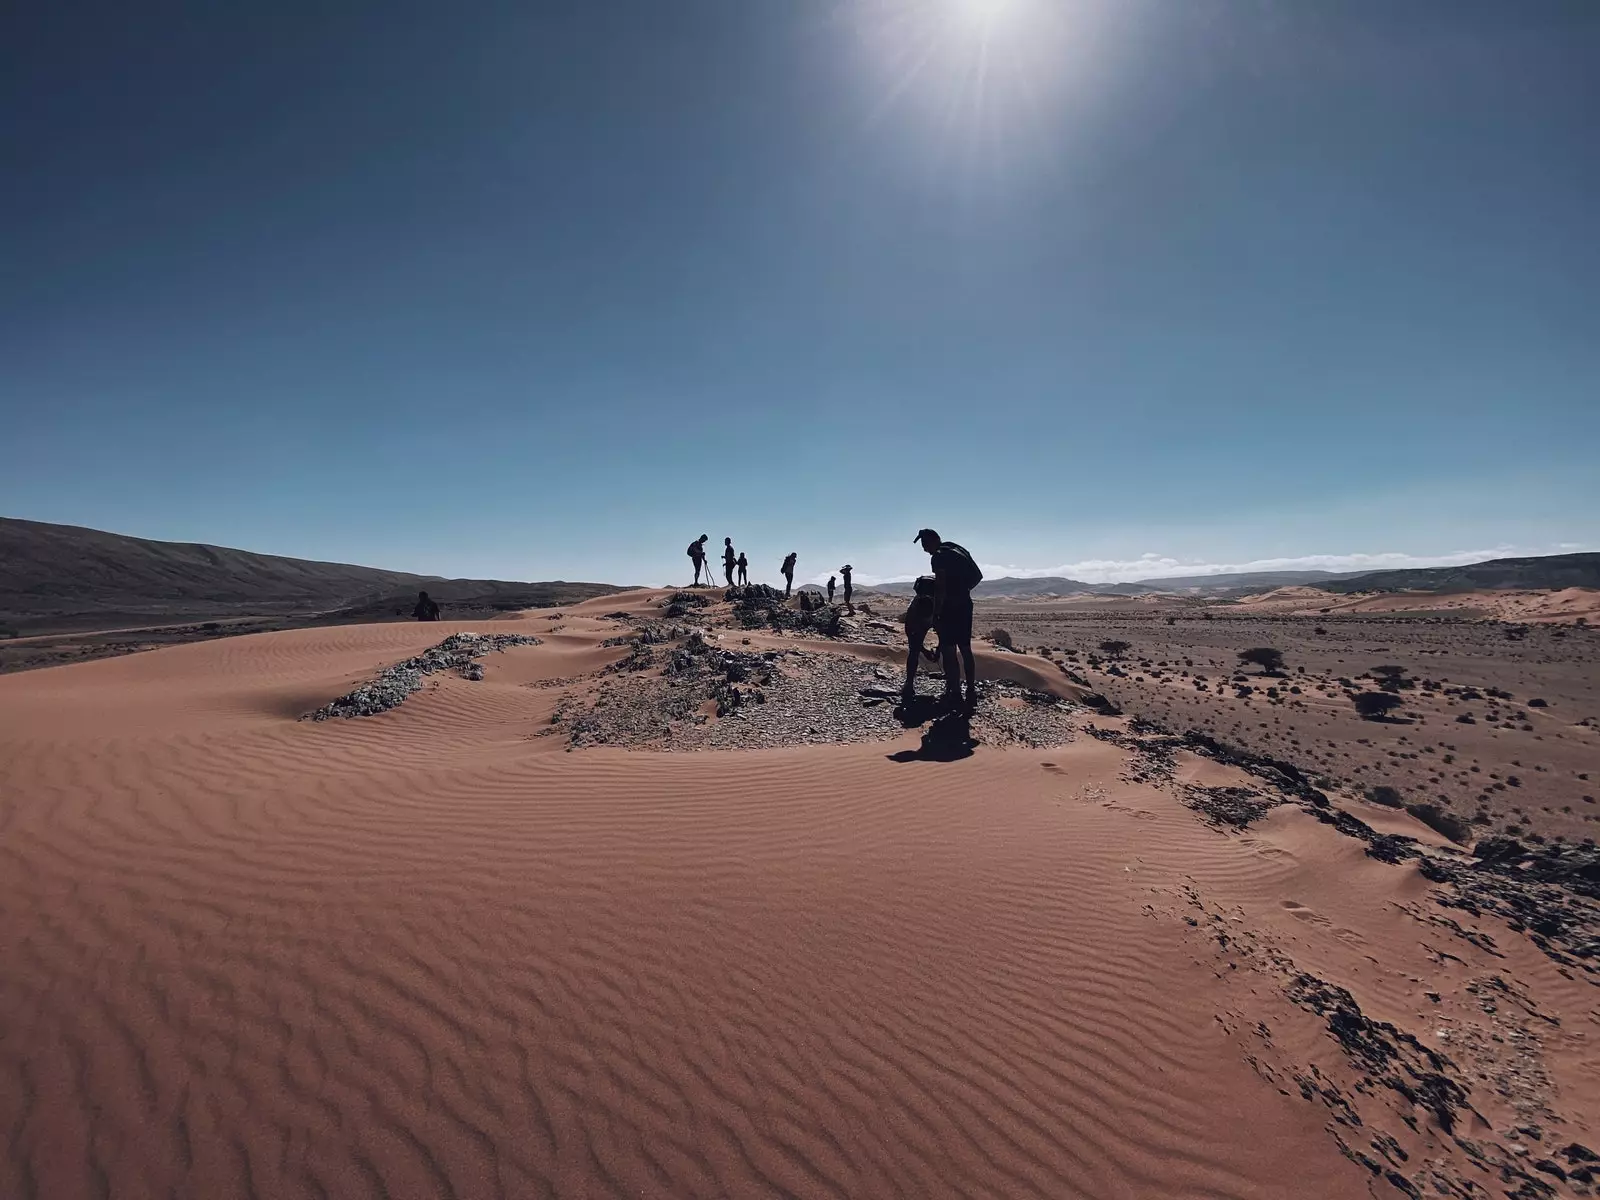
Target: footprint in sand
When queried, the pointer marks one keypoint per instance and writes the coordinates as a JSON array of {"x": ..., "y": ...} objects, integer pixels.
[
  {"x": 1303, "y": 913},
  {"x": 1309, "y": 915}
]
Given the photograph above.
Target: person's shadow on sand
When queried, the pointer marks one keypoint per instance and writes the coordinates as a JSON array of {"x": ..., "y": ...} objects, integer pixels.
[
  {"x": 948, "y": 739},
  {"x": 917, "y": 711}
]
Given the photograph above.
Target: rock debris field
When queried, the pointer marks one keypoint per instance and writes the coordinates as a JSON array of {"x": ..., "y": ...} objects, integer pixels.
[{"x": 459, "y": 653}]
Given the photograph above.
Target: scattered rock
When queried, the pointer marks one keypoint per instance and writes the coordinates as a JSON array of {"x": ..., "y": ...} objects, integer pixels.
[{"x": 457, "y": 652}]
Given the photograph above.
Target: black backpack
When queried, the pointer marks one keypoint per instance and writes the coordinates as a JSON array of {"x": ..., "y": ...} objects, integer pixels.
[{"x": 969, "y": 576}]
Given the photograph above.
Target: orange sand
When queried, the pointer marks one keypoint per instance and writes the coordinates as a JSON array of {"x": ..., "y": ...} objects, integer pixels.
[{"x": 429, "y": 954}]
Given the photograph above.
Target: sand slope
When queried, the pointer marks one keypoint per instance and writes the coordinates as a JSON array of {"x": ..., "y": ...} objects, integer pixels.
[{"x": 429, "y": 954}]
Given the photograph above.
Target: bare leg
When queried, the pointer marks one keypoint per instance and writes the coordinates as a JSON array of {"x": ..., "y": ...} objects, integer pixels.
[
  {"x": 971, "y": 666},
  {"x": 913, "y": 654},
  {"x": 952, "y": 669}
]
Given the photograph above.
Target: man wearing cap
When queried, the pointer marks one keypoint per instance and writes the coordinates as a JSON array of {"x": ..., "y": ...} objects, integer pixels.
[{"x": 955, "y": 574}]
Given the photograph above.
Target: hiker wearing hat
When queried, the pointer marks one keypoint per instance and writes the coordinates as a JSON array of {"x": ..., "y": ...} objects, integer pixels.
[
  {"x": 697, "y": 555},
  {"x": 788, "y": 574},
  {"x": 955, "y": 575},
  {"x": 845, "y": 571}
]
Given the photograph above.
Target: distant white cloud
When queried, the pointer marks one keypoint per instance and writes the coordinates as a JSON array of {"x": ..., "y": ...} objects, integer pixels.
[{"x": 1159, "y": 566}]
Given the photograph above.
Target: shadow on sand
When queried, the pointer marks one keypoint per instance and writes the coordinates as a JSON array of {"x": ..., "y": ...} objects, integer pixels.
[{"x": 947, "y": 739}]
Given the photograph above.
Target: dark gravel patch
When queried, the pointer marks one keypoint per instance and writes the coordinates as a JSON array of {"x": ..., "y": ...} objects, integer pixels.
[{"x": 459, "y": 652}]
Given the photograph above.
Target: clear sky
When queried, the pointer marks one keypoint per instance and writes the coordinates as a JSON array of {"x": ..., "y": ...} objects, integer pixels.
[{"x": 530, "y": 290}]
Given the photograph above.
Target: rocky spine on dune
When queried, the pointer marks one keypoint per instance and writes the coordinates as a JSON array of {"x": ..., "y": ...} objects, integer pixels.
[{"x": 459, "y": 652}]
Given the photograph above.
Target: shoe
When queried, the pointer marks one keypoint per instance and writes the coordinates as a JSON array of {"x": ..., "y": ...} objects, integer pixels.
[{"x": 972, "y": 699}]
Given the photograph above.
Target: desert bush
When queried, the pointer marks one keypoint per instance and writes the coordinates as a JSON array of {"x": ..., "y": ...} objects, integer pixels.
[
  {"x": 1391, "y": 678},
  {"x": 1265, "y": 657},
  {"x": 1385, "y": 795},
  {"x": 1115, "y": 648},
  {"x": 1536, "y": 702},
  {"x": 1374, "y": 705},
  {"x": 1442, "y": 820},
  {"x": 1001, "y": 638}
]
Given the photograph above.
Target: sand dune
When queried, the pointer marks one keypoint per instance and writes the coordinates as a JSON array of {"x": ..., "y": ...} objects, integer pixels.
[{"x": 432, "y": 954}]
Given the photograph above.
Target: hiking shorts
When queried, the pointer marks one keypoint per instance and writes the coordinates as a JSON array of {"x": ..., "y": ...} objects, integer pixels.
[{"x": 955, "y": 620}]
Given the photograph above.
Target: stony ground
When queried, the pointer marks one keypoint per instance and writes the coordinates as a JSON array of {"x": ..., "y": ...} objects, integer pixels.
[
  {"x": 1499, "y": 725},
  {"x": 691, "y": 687},
  {"x": 458, "y": 653}
]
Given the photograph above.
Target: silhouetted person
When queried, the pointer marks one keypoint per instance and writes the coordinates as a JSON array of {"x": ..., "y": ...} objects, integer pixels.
[
  {"x": 845, "y": 571},
  {"x": 729, "y": 560},
  {"x": 788, "y": 574},
  {"x": 831, "y": 582},
  {"x": 955, "y": 575},
  {"x": 744, "y": 569},
  {"x": 918, "y": 619},
  {"x": 697, "y": 555},
  {"x": 426, "y": 609}
]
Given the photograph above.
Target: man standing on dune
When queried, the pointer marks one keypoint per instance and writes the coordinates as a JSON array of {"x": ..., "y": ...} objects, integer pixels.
[
  {"x": 788, "y": 574},
  {"x": 729, "y": 559},
  {"x": 955, "y": 574},
  {"x": 697, "y": 555}
]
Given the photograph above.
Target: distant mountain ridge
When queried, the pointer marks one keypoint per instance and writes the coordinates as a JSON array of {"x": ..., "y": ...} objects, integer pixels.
[
  {"x": 1546, "y": 571},
  {"x": 58, "y": 575},
  {"x": 1553, "y": 571},
  {"x": 1058, "y": 585}
]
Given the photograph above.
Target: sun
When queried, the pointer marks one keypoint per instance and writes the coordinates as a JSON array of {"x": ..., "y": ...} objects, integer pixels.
[
  {"x": 992, "y": 81},
  {"x": 984, "y": 12}
]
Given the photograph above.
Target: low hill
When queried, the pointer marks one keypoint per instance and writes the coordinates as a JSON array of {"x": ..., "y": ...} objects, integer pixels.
[
  {"x": 1056, "y": 585},
  {"x": 1552, "y": 571},
  {"x": 64, "y": 576},
  {"x": 1049, "y": 585},
  {"x": 1252, "y": 580}
]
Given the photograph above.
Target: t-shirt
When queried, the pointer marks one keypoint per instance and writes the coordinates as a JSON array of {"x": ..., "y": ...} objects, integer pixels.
[{"x": 728, "y": 555}]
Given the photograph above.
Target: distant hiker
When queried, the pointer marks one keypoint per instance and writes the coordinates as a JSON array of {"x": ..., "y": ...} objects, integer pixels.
[
  {"x": 955, "y": 574},
  {"x": 832, "y": 581},
  {"x": 918, "y": 619},
  {"x": 788, "y": 574},
  {"x": 744, "y": 569},
  {"x": 729, "y": 560},
  {"x": 426, "y": 609},
  {"x": 697, "y": 555},
  {"x": 845, "y": 571}
]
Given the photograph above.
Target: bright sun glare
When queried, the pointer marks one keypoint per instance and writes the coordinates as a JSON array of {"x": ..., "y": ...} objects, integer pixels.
[
  {"x": 991, "y": 79},
  {"x": 983, "y": 11}
]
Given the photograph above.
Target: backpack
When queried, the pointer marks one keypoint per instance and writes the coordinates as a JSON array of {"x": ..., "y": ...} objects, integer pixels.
[
  {"x": 968, "y": 576},
  {"x": 694, "y": 550}
]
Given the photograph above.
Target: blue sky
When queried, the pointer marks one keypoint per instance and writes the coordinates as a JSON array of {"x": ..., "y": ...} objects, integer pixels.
[{"x": 545, "y": 290}]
